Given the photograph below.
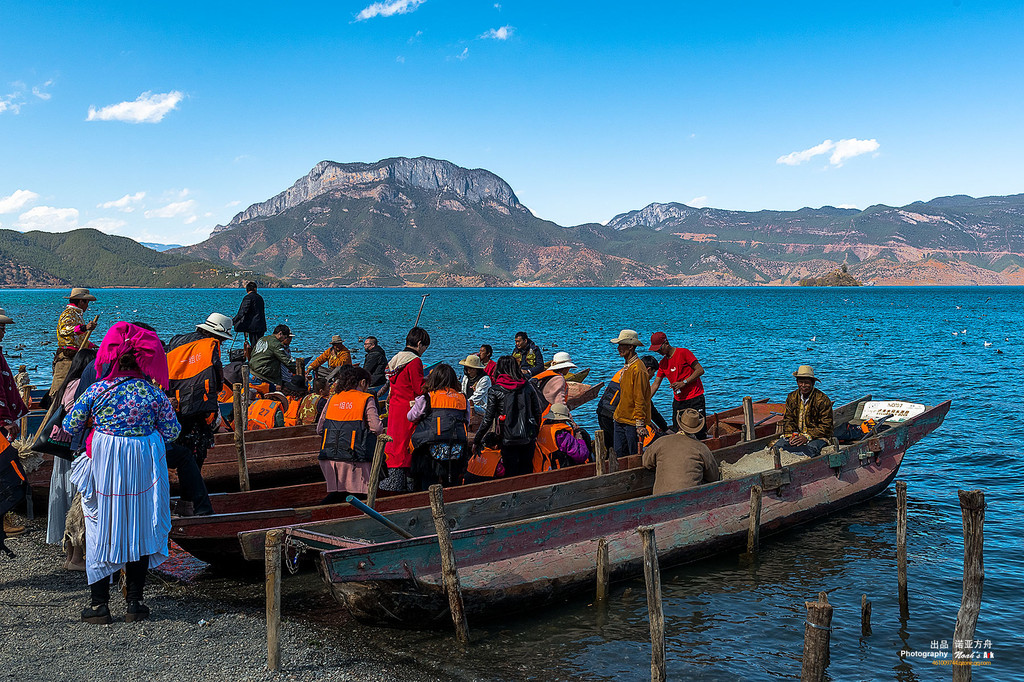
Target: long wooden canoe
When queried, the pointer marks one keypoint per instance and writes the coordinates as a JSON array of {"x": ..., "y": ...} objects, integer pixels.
[
  {"x": 526, "y": 563},
  {"x": 212, "y": 538}
]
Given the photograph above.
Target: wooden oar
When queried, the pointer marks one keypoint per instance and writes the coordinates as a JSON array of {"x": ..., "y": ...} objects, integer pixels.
[
  {"x": 422, "y": 301},
  {"x": 375, "y": 468},
  {"x": 376, "y": 516},
  {"x": 57, "y": 399}
]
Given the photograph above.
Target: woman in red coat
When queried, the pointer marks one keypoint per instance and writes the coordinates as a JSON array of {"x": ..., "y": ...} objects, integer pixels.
[{"x": 405, "y": 374}]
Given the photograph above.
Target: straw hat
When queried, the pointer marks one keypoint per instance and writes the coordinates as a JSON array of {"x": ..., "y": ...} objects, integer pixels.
[
  {"x": 80, "y": 294},
  {"x": 334, "y": 339},
  {"x": 690, "y": 420},
  {"x": 628, "y": 337},
  {"x": 561, "y": 361},
  {"x": 216, "y": 324},
  {"x": 558, "y": 413},
  {"x": 473, "y": 361},
  {"x": 278, "y": 396},
  {"x": 805, "y": 372},
  {"x": 5, "y": 318}
]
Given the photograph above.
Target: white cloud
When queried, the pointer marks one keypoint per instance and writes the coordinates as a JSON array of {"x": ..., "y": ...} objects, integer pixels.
[
  {"x": 172, "y": 210},
  {"x": 389, "y": 9},
  {"x": 698, "y": 202},
  {"x": 147, "y": 108},
  {"x": 462, "y": 55},
  {"x": 191, "y": 219},
  {"x": 846, "y": 206},
  {"x": 236, "y": 202},
  {"x": 497, "y": 6},
  {"x": 847, "y": 149},
  {"x": 502, "y": 33},
  {"x": 400, "y": 59},
  {"x": 40, "y": 93},
  {"x": 48, "y": 219},
  {"x": 841, "y": 151},
  {"x": 124, "y": 203},
  {"x": 11, "y": 103},
  {"x": 415, "y": 38},
  {"x": 17, "y": 201}
]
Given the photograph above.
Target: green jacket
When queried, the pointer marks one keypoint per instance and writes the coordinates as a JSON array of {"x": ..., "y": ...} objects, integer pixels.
[
  {"x": 814, "y": 420},
  {"x": 267, "y": 357}
]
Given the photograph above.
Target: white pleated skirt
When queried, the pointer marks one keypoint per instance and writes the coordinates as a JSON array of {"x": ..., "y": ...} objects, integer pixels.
[
  {"x": 62, "y": 494},
  {"x": 126, "y": 501}
]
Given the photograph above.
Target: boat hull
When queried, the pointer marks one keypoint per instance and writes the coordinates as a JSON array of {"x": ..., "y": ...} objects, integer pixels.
[{"x": 525, "y": 565}]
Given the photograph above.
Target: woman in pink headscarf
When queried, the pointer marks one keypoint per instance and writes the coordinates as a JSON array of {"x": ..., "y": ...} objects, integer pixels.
[{"x": 123, "y": 478}]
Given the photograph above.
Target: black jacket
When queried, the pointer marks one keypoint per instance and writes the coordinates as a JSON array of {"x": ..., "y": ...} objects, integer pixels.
[
  {"x": 521, "y": 409},
  {"x": 530, "y": 359},
  {"x": 375, "y": 362},
  {"x": 251, "y": 317}
]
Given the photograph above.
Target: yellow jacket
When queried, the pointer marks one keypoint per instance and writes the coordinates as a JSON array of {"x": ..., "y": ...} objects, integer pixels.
[
  {"x": 332, "y": 358},
  {"x": 634, "y": 394}
]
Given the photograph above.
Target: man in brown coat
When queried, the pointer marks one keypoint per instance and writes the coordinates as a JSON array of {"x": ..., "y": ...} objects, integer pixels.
[
  {"x": 807, "y": 424},
  {"x": 679, "y": 460}
]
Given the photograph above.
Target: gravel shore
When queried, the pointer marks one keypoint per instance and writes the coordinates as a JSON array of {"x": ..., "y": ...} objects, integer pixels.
[{"x": 211, "y": 629}]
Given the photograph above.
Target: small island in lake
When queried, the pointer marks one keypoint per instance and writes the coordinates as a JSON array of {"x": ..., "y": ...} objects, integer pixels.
[{"x": 837, "y": 278}]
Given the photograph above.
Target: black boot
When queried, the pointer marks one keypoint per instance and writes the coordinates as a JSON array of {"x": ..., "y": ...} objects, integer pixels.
[
  {"x": 97, "y": 614},
  {"x": 136, "y": 611},
  {"x": 135, "y": 577}
]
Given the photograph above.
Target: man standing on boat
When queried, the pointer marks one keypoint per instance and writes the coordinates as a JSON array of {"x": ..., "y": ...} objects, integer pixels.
[
  {"x": 71, "y": 330},
  {"x": 374, "y": 362},
  {"x": 807, "y": 424},
  {"x": 528, "y": 355},
  {"x": 251, "y": 318},
  {"x": 633, "y": 413},
  {"x": 683, "y": 372}
]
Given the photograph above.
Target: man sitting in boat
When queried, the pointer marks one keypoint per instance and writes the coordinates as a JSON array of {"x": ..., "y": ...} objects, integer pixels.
[
  {"x": 560, "y": 443},
  {"x": 268, "y": 358},
  {"x": 337, "y": 355},
  {"x": 807, "y": 424},
  {"x": 679, "y": 460},
  {"x": 267, "y": 412}
]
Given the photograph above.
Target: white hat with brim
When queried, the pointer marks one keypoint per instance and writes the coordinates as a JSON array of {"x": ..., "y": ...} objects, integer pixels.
[
  {"x": 80, "y": 294},
  {"x": 278, "y": 396},
  {"x": 217, "y": 324},
  {"x": 561, "y": 361},
  {"x": 805, "y": 372},
  {"x": 558, "y": 413},
  {"x": 473, "y": 361},
  {"x": 690, "y": 420},
  {"x": 5, "y": 318},
  {"x": 627, "y": 337}
]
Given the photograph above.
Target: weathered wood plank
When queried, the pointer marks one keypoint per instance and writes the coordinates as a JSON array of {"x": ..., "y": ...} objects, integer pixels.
[{"x": 972, "y": 506}]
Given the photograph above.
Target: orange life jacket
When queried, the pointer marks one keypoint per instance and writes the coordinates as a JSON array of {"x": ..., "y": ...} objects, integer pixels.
[
  {"x": 346, "y": 434},
  {"x": 226, "y": 395},
  {"x": 484, "y": 463},
  {"x": 542, "y": 379},
  {"x": 444, "y": 420},
  {"x": 262, "y": 414},
  {"x": 12, "y": 477},
  {"x": 546, "y": 455},
  {"x": 291, "y": 415},
  {"x": 192, "y": 375}
]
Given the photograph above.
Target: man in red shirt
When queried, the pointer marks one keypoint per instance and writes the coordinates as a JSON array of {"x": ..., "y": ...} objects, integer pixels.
[
  {"x": 683, "y": 372},
  {"x": 490, "y": 366}
]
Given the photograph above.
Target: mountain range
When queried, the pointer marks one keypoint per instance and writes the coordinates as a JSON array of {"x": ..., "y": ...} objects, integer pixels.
[{"x": 423, "y": 221}]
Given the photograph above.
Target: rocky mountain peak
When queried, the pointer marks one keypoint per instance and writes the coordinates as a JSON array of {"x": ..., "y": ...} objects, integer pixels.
[
  {"x": 432, "y": 175},
  {"x": 653, "y": 215}
]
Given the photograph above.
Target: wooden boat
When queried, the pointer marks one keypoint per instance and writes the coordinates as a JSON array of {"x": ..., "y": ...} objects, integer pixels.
[
  {"x": 529, "y": 562},
  {"x": 212, "y": 538}
]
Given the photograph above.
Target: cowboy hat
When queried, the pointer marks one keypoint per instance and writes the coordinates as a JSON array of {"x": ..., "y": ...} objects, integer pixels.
[
  {"x": 558, "y": 413},
  {"x": 627, "y": 337},
  {"x": 561, "y": 361},
  {"x": 689, "y": 420},
  {"x": 5, "y": 318},
  {"x": 216, "y": 324},
  {"x": 336, "y": 339},
  {"x": 278, "y": 396},
  {"x": 805, "y": 372},
  {"x": 80, "y": 294},
  {"x": 473, "y": 361}
]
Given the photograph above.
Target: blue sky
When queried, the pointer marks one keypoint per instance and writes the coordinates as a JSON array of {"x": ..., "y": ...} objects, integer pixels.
[{"x": 161, "y": 120}]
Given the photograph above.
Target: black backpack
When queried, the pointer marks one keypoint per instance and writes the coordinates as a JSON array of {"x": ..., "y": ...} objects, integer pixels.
[{"x": 521, "y": 423}]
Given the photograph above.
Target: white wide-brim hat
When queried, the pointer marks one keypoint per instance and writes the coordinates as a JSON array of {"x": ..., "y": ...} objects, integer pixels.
[
  {"x": 5, "y": 318},
  {"x": 217, "y": 324},
  {"x": 561, "y": 361},
  {"x": 628, "y": 337},
  {"x": 473, "y": 361}
]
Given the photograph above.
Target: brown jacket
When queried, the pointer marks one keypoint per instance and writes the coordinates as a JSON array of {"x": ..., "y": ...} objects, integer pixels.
[
  {"x": 680, "y": 462},
  {"x": 814, "y": 420},
  {"x": 634, "y": 395}
]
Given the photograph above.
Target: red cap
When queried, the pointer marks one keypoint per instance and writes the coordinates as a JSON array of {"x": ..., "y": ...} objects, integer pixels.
[{"x": 658, "y": 338}]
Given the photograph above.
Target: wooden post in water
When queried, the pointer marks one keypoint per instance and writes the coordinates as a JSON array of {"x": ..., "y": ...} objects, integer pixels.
[
  {"x": 603, "y": 570},
  {"x": 817, "y": 632},
  {"x": 273, "y": 578},
  {"x": 240, "y": 421},
  {"x": 748, "y": 418},
  {"x": 245, "y": 390},
  {"x": 655, "y": 612},
  {"x": 754, "y": 530},
  {"x": 449, "y": 570},
  {"x": 865, "y": 616},
  {"x": 901, "y": 547},
  {"x": 972, "y": 506},
  {"x": 600, "y": 453},
  {"x": 26, "y": 397},
  {"x": 375, "y": 469}
]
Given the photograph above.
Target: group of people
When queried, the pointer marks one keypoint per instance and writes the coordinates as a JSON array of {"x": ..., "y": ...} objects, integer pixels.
[{"x": 135, "y": 407}]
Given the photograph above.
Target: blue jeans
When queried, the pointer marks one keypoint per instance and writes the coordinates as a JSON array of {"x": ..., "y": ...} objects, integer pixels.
[
  {"x": 626, "y": 442},
  {"x": 811, "y": 449}
]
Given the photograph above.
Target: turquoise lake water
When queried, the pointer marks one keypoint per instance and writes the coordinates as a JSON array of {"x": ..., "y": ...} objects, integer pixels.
[{"x": 724, "y": 621}]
